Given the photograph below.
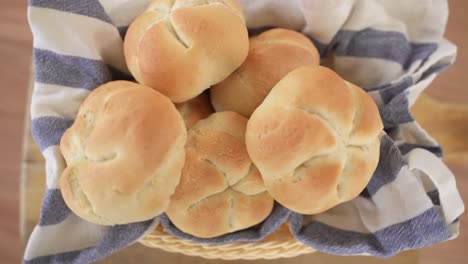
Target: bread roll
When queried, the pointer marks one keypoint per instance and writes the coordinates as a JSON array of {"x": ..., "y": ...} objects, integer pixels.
[
  {"x": 195, "y": 109},
  {"x": 315, "y": 140},
  {"x": 220, "y": 190},
  {"x": 272, "y": 55},
  {"x": 124, "y": 154},
  {"x": 182, "y": 47}
]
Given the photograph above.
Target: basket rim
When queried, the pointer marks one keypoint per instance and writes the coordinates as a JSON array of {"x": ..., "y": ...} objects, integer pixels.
[{"x": 279, "y": 244}]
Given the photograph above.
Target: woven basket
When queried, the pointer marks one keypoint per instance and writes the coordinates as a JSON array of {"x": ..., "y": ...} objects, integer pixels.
[{"x": 280, "y": 244}]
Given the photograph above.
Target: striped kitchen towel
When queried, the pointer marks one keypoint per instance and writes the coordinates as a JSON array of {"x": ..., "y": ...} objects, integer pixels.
[{"x": 393, "y": 49}]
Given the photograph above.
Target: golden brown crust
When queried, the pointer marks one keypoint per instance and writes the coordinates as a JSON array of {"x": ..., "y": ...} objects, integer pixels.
[
  {"x": 195, "y": 109},
  {"x": 124, "y": 154},
  {"x": 272, "y": 55},
  {"x": 314, "y": 140},
  {"x": 367, "y": 118},
  {"x": 182, "y": 47},
  {"x": 220, "y": 190},
  {"x": 291, "y": 37}
]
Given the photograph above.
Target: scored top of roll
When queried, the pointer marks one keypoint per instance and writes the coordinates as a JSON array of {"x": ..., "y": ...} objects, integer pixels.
[
  {"x": 315, "y": 140},
  {"x": 220, "y": 190},
  {"x": 124, "y": 154},
  {"x": 182, "y": 47},
  {"x": 272, "y": 54}
]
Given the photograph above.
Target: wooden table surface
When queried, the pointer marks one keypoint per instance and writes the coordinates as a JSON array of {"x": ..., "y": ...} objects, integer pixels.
[
  {"x": 15, "y": 61},
  {"x": 15, "y": 54}
]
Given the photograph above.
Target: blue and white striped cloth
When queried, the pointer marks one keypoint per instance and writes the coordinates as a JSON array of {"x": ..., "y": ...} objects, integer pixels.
[{"x": 393, "y": 49}]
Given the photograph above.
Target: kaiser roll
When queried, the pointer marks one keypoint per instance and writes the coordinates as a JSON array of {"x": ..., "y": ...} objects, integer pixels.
[
  {"x": 124, "y": 154},
  {"x": 195, "y": 109},
  {"x": 220, "y": 190},
  {"x": 315, "y": 140},
  {"x": 182, "y": 47},
  {"x": 272, "y": 55}
]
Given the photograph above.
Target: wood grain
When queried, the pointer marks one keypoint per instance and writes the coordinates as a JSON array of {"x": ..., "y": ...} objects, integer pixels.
[
  {"x": 15, "y": 54},
  {"x": 447, "y": 123},
  {"x": 451, "y": 86}
]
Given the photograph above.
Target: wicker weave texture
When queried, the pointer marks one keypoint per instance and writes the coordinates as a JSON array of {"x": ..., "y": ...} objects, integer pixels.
[{"x": 280, "y": 244}]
